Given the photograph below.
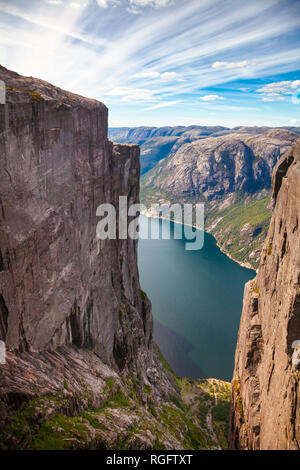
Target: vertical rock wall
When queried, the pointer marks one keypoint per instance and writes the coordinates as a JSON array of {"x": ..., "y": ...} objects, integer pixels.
[
  {"x": 265, "y": 406},
  {"x": 59, "y": 284}
]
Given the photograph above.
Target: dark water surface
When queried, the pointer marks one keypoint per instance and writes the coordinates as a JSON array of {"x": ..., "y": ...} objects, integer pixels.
[{"x": 196, "y": 302}]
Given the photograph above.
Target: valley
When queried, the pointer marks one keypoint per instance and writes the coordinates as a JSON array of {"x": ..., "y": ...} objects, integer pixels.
[
  {"x": 82, "y": 370},
  {"x": 227, "y": 169}
]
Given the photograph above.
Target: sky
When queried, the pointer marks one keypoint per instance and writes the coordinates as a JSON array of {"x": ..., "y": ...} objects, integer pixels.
[{"x": 164, "y": 62}]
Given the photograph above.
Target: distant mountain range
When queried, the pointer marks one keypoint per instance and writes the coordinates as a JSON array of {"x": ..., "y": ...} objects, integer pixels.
[
  {"x": 228, "y": 169},
  {"x": 158, "y": 142}
]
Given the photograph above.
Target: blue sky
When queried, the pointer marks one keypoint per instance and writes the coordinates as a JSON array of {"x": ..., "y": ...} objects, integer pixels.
[{"x": 164, "y": 62}]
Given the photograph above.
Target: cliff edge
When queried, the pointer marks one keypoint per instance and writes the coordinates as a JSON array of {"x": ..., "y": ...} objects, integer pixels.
[
  {"x": 60, "y": 285},
  {"x": 265, "y": 403},
  {"x": 81, "y": 370}
]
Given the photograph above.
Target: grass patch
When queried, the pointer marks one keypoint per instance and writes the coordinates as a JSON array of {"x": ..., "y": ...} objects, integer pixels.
[
  {"x": 143, "y": 294},
  {"x": 239, "y": 401},
  {"x": 233, "y": 225},
  {"x": 60, "y": 433},
  {"x": 35, "y": 95}
]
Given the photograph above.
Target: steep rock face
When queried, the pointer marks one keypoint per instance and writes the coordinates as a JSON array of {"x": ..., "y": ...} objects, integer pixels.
[
  {"x": 81, "y": 368},
  {"x": 60, "y": 285},
  {"x": 67, "y": 299},
  {"x": 265, "y": 407}
]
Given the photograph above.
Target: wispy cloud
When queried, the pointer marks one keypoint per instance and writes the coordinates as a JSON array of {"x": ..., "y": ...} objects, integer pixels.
[
  {"x": 211, "y": 98},
  {"x": 273, "y": 97},
  {"x": 180, "y": 50},
  {"x": 128, "y": 94},
  {"x": 229, "y": 65},
  {"x": 153, "y": 75},
  {"x": 164, "y": 104},
  {"x": 54, "y": 2},
  {"x": 151, "y": 3},
  {"x": 134, "y": 5},
  {"x": 278, "y": 91},
  {"x": 286, "y": 87}
]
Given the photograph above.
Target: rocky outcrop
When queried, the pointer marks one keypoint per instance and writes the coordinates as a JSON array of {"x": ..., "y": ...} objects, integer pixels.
[
  {"x": 81, "y": 371},
  {"x": 265, "y": 406}
]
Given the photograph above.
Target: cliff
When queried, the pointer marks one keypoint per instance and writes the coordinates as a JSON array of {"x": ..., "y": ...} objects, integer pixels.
[
  {"x": 265, "y": 405},
  {"x": 81, "y": 368},
  {"x": 60, "y": 285}
]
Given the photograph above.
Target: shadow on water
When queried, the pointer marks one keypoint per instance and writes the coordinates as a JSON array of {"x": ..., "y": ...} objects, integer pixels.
[{"x": 175, "y": 350}]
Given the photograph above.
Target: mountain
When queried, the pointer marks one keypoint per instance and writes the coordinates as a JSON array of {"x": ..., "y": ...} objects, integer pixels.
[
  {"x": 231, "y": 174},
  {"x": 265, "y": 406},
  {"x": 158, "y": 142},
  {"x": 82, "y": 370}
]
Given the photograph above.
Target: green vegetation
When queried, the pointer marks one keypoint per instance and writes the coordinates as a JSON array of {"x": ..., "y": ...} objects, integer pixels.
[
  {"x": 196, "y": 416},
  {"x": 34, "y": 94},
  {"x": 110, "y": 384},
  {"x": 158, "y": 444},
  {"x": 242, "y": 229},
  {"x": 255, "y": 213},
  {"x": 240, "y": 407},
  {"x": 239, "y": 401},
  {"x": 152, "y": 195},
  {"x": 59, "y": 433},
  {"x": 208, "y": 401},
  {"x": 143, "y": 294},
  {"x": 118, "y": 400},
  {"x": 182, "y": 423}
]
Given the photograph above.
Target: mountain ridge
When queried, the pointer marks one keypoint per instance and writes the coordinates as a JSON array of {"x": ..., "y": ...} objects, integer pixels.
[{"x": 231, "y": 174}]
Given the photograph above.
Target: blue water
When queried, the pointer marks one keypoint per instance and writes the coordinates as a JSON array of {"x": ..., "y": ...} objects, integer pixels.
[{"x": 196, "y": 302}]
